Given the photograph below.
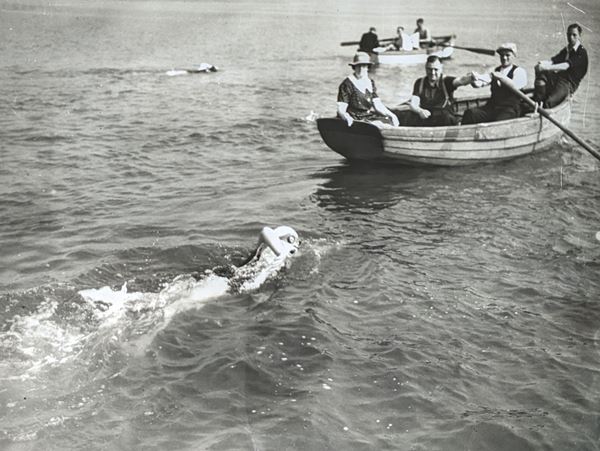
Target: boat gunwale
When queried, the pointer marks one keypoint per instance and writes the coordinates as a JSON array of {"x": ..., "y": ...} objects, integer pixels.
[{"x": 397, "y": 57}]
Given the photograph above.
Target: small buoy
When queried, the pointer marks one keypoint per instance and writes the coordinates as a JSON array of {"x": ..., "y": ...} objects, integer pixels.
[{"x": 598, "y": 236}]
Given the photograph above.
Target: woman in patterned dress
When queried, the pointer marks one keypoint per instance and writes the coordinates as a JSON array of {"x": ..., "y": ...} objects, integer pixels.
[{"x": 357, "y": 96}]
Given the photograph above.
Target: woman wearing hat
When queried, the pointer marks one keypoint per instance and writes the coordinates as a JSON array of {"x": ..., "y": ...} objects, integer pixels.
[
  {"x": 357, "y": 95},
  {"x": 503, "y": 104}
]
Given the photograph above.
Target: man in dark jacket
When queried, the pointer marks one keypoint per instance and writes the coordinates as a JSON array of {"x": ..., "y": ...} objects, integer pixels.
[
  {"x": 559, "y": 77},
  {"x": 369, "y": 41}
]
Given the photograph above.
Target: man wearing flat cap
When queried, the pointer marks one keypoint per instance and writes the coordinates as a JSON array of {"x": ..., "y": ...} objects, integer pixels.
[{"x": 503, "y": 104}]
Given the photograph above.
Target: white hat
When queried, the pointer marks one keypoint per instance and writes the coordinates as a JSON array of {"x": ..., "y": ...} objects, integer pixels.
[
  {"x": 361, "y": 58},
  {"x": 507, "y": 46}
]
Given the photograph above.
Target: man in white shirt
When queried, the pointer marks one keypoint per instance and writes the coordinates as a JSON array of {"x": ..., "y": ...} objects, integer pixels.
[{"x": 503, "y": 104}]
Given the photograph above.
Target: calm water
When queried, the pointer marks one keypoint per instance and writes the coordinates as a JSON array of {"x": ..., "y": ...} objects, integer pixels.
[{"x": 428, "y": 309}]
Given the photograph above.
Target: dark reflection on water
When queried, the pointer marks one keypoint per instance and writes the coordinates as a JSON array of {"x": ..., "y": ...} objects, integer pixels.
[{"x": 367, "y": 188}]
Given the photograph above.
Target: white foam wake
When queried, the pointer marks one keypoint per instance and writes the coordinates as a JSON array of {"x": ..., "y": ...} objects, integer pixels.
[{"x": 106, "y": 319}]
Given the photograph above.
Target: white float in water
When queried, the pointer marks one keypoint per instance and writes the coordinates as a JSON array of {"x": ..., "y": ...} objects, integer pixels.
[{"x": 202, "y": 68}]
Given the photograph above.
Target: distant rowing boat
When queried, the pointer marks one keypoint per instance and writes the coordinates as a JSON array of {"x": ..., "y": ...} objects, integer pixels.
[
  {"x": 441, "y": 46},
  {"x": 445, "y": 146},
  {"x": 409, "y": 57}
]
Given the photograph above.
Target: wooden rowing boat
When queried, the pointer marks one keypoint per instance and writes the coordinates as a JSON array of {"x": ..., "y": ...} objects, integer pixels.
[{"x": 445, "y": 146}]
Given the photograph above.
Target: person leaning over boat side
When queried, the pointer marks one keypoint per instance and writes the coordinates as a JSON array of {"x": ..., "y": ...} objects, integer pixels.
[
  {"x": 503, "y": 104},
  {"x": 398, "y": 40},
  {"x": 433, "y": 96},
  {"x": 402, "y": 41},
  {"x": 559, "y": 77},
  {"x": 368, "y": 41},
  {"x": 357, "y": 95},
  {"x": 425, "y": 38}
]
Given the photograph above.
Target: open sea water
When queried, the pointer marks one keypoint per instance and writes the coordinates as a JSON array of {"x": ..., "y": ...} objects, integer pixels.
[{"x": 428, "y": 309}]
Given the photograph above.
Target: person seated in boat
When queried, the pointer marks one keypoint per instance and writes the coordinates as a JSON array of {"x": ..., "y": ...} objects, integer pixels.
[
  {"x": 433, "y": 96},
  {"x": 503, "y": 103},
  {"x": 396, "y": 44},
  {"x": 401, "y": 42},
  {"x": 559, "y": 77},
  {"x": 425, "y": 38},
  {"x": 369, "y": 41},
  {"x": 357, "y": 95}
]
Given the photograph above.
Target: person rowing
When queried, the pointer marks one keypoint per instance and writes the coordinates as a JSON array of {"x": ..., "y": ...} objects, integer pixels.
[
  {"x": 357, "y": 96},
  {"x": 503, "y": 103},
  {"x": 432, "y": 100},
  {"x": 369, "y": 41},
  {"x": 559, "y": 77},
  {"x": 425, "y": 38}
]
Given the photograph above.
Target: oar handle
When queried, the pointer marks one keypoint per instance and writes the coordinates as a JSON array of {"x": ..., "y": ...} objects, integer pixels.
[{"x": 548, "y": 116}]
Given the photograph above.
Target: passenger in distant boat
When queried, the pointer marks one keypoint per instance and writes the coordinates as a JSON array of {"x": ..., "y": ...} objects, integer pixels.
[
  {"x": 433, "y": 97},
  {"x": 425, "y": 38},
  {"x": 503, "y": 103},
  {"x": 397, "y": 42},
  {"x": 559, "y": 77},
  {"x": 402, "y": 41},
  {"x": 357, "y": 95},
  {"x": 369, "y": 41}
]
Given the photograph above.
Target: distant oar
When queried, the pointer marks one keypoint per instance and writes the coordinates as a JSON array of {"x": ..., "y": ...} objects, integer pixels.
[
  {"x": 358, "y": 42},
  {"x": 547, "y": 115},
  {"x": 489, "y": 52},
  {"x": 438, "y": 40}
]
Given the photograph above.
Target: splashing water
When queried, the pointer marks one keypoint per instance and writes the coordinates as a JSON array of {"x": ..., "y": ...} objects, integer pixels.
[{"x": 110, "y": 318}]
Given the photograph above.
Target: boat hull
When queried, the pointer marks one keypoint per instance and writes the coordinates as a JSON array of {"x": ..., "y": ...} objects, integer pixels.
[
  {"x": 411, "y": 57},
  {"x": 444, "y": 146}
]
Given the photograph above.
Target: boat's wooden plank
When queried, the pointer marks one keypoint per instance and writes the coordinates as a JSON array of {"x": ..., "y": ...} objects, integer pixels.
[
  {"x": 416, "y": 147},
  {"x": 464, "y": 144},
  {"x": 477, "y": 132},
  {"x": 467, "y": 158}
]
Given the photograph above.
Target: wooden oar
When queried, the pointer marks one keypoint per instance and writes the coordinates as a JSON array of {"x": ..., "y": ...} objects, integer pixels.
[
  {"x": 434, "y": 40},
  {"x": 358, "y": 42},
  {"x": 547, "y": 115},
  {"x": 489, "y": 52}
]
